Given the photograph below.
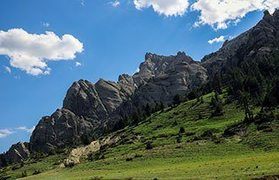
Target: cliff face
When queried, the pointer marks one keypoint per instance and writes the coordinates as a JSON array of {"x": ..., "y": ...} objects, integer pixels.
[
  {"x": 62, "y": 129},
  {"x": 257, "y": 43},
  {"x": 90, "y": 108},
  {"x": 164, "y": 77}
]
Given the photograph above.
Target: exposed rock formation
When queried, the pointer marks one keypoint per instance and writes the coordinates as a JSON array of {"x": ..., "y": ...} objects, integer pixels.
[
  {"x": 258, "y": 42},
  {"x": 83, "y": 152},
  {"x": 16, "y": 154},
  {"x": 97, "y": 101},
  {"x": 62, "y": 129},
  {"x": 92, "y": 108},
  {"x": 166, "y": 76}
]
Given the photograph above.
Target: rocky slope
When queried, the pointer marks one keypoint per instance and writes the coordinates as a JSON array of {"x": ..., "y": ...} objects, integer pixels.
[
  {"x": 259, "y": 42},
  {"x": 16, "y": 154},
  {"x": 89, "y": 110}
]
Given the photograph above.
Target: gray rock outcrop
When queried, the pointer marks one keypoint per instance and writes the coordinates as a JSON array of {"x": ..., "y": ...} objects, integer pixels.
[
  {"x": 260, "y": 41},
  {"x": 62, "y": 129},
  {"x": 16, "y": 154},
  {"x": 93, "y": 109}
]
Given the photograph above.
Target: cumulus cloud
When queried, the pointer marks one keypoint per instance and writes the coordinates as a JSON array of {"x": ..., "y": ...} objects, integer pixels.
[
  {"x": 8, "y": 69},
  {"x": 5, "y": 133},
  {"x": 31, "y": 52},
  {"x": 24, "y": 128},
  {"x": 164, "y": 7},
  {"x": 220, "y": 13},
  {"x": 115, "y": 3},
  {"x": 217, "y": 40},
  {"x": 78, "y": 64}
]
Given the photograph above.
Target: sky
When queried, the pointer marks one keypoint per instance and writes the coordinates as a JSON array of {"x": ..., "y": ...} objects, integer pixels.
[{"x": 46, "y": 45}]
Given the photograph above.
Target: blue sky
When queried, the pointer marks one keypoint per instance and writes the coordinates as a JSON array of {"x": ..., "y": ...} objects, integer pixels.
[{"x": 114, "y": 36}]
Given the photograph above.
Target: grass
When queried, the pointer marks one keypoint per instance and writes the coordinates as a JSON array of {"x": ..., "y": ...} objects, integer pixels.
[{"x": 196, "y": 157}]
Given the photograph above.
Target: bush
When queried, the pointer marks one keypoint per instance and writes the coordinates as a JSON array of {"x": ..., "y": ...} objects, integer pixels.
[
  {"x": 96, "y": 156},
  {"x": 138, "y": 155},
  {"x": 129, "y": 159},
  {"x": 217, "y": 106},
  {"x": 181, "y": 130},
  {"x": 179, "y": 138},
  {"x": 24, "y": 174},
  {"x": 37, "y": 172},
  {"x": 148, "y": 146},
  {"x": 174, "y": 123}
]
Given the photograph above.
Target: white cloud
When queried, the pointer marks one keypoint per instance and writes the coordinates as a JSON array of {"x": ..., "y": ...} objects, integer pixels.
[
  {"x": 115, "y": 3},
  {"x": 164, "y": 7},
  {"x": 8, "y": 69},
  {"x": 5, "y": 133},
  {"x": 220, "y": 13},
  {"x": 78, "y": 64},
  {"x": 46, "y": 24},
  {"x": 31, "y": 52},
  {"x": 24, "y": 128},
  {"x": 217, "y": 40}
]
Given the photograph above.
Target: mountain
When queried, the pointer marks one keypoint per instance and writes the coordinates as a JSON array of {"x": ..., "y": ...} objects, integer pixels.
[
  {"x": 92, "y": 110},
  {"x": 260, "y": 42}
]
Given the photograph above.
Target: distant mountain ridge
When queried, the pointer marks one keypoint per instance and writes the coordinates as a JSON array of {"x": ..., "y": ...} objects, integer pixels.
[{"x": 91, "y": 110}]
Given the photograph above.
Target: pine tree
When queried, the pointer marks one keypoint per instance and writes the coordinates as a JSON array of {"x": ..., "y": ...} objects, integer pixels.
[{"x": 217, "y": 105}]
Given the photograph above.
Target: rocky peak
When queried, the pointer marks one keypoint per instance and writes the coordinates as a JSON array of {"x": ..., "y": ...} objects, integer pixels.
[
  {"x": 158, "y": 65},
  {"x": 16, "y": 154},
  {"x": 266, "y": 14},
  {"x": 127, "y": 84},
  {"x": 276, "y": 13},
  {"x": 83, "y": 100},
  {"x": 259, "y": 40}
]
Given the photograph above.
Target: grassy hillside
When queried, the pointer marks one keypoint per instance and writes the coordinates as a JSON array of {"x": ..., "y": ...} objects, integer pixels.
[{"x": 185, "y": 142}]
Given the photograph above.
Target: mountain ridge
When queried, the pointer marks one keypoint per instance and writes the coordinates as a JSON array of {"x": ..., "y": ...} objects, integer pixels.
[{"x": 98, "y": 108}]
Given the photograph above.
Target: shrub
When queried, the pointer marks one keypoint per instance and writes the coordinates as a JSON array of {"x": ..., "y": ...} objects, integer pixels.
[
  {"x": 179, "y": 138},
  {"x": 181, "y": 130},
  {"x": 148, "y": 146},
  {"x": 138, "y": 155},
  {"x": 217, "y": 106},
  {"x": 24, "y": 174},
  {"x": 37, "y": 172},
  {"x": 129, "y": 159}
]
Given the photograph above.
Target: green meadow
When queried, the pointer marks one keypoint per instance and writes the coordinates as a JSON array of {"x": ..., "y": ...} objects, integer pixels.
[{"x": 187, "y": 143}]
